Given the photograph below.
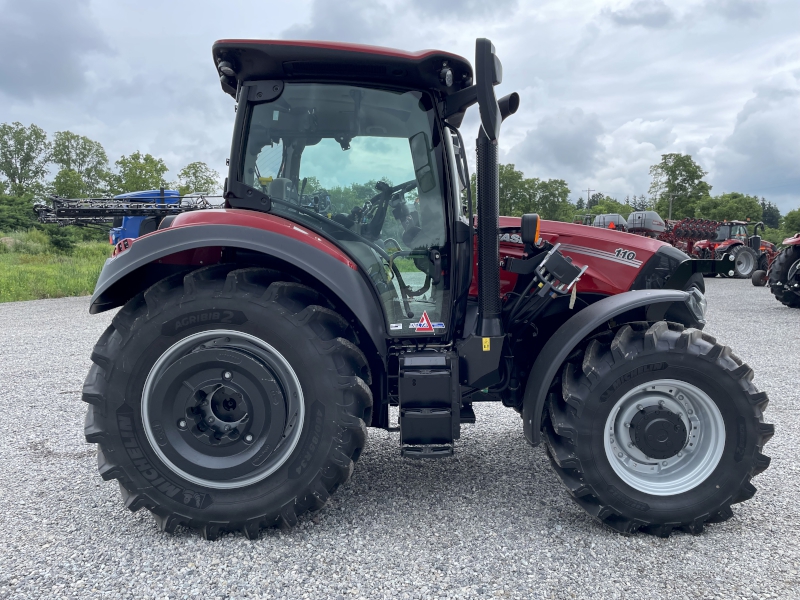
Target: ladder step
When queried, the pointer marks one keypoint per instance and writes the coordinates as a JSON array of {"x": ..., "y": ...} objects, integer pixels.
[{"x": 426, "y": 451}]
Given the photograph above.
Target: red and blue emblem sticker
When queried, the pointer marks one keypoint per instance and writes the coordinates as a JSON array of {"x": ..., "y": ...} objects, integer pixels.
[{"x": 425, "y": 324}]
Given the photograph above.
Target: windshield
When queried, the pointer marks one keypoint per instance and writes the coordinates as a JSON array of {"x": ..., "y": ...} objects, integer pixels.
[
  {"x": 727, "y": 232},
  {"x": 723, "y": 232},
  {"x": 360, "y": 166}
]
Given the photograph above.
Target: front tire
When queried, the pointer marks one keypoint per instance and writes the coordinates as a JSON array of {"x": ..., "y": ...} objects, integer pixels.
[
  {"x": 759, "y": 278},
  {"x": 653, "y": 427},
  {"x": 228, "y": 400}
]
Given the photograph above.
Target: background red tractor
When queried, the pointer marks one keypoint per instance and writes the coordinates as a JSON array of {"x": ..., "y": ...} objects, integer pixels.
[{"x": 751, "y": 253}]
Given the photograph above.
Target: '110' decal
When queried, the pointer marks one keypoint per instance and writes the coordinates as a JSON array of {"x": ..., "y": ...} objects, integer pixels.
[{"x": 625, "y": 254}]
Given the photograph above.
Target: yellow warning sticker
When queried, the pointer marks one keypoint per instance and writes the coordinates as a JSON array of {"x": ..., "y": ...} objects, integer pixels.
[{"x": 487, "y": 344}]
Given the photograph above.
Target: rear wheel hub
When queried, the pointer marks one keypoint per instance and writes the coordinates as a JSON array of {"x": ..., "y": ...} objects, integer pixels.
[
  {"x": 222, "y": 409},
  {"x": 658, "y": 432}
]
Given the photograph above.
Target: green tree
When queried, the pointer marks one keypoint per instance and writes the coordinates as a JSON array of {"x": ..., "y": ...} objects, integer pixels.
[
  {"x": 552, "y": 200},
  {"x": 680, "y": 179},
  {"x": 198, "y": 177},
  {"x": 731, "y": 206},
  {"x": 580, "y": 204},
  {"x": 520, "y": 195},
  {"x": 16, "y": 212},
  {"x": 791, "y": 222},
  {"x": 24, "y": 155},
  {"x": 607, "y": 205},
  {"x": 139, "y": 172},
  {"x": 69, "y": 184},
  {"x": 87, "y": 158},
  {"x": 770, "y": 214},
  {"x": 640, "y": 203},
  {"x": 594, "y": 199}
]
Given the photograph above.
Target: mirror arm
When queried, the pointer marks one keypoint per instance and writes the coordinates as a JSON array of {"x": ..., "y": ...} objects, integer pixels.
[{"x": 460, "y": 101}]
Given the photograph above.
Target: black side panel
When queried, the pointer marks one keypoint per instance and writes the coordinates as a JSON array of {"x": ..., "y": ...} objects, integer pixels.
[
  {"x": 571, "y": 333},
  {"x": 128, "y": 273}
]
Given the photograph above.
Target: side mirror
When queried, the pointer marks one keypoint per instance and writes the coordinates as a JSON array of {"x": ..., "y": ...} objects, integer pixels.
[
  {"x": 529, "y": 231},
  {"x": 488, "y": 73},
  {"x": 421, "y": 157}
]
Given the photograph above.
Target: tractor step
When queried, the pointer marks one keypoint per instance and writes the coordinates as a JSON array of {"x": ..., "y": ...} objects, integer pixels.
[
  {"x": 427, "y": 451},
  {"x": 430, "y": 403},
  {"x": 467, "y": 414}
]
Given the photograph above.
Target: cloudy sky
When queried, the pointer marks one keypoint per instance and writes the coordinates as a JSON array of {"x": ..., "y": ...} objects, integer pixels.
[{"x": 607, "y": 86}]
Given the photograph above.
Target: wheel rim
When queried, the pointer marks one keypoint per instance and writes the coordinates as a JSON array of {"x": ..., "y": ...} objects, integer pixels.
[
  {"x": 793, "y": 272},
  {"x": 745, "y": 263},
  {"x": 665, "y": 408},
  {"x": 222, "y": 409}
]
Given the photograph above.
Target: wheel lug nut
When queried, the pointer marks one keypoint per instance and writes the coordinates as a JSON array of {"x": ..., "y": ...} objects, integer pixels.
[
  {"x": 227, "y": 427},
  {"x": 248, "y": 438},
  {"x": 227, "y": 375},
  {"x": 210, "y": 419},
  {"x": 680, "y": 454},
  {"x": 690, "y": 411},
  {"x": 182, "y": 424},
  {"x": 664, "y": 463},
  {"x": 620, "y": 454},
  {"x": 630, "y": 444},
  {"x": 627, "y": 424},
  {"x": 639, "y": 407}
]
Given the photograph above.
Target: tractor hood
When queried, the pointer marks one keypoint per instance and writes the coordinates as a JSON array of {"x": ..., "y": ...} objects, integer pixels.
[{"x": 614, "y": 259}]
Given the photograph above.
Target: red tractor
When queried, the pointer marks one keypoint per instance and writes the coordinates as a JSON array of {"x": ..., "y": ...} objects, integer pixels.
[
  {"x": 784, "y": 273},
  {"x": 750, "y": 253},
  {"x": 255, "y": 344}
]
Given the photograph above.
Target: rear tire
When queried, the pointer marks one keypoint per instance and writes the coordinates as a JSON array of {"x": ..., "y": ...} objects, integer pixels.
[
  {"x": 228, "y": 400},
  {"x": 779, "y": 277},
  {"x": 759, "y": 278},
  {"x": 711, "y": 457},
  {"x": 745, "y": 261}
]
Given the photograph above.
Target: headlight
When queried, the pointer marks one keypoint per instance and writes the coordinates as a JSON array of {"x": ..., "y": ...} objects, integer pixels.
[{"x": 698, "y": 304}]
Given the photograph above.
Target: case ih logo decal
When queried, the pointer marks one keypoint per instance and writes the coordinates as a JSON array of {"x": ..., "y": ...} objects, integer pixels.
[
  {"x": 425, "y": 324},
  {"x": 621, "y": 256},
  {"x": 514, "y": 238}
]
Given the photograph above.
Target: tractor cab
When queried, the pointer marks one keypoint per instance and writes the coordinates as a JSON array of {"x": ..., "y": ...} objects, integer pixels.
[
  {"x": 731, "y": 230},
  {"x": 365, "y": 167}
]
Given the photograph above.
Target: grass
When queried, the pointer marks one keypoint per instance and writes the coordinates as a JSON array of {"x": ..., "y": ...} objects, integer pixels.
[{"x": 31, "y": 269}]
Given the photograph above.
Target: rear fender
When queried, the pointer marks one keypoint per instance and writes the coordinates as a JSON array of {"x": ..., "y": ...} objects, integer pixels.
[
  {"x": 792, "y": 241},
  {"x": 154, "y": 256},
  {"x": 639, "y": 305}
]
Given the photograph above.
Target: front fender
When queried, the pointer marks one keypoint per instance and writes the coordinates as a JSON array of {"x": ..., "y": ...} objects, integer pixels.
[
  {"x": 128, "y": 273},
  {"x": 651, "y": 305}
]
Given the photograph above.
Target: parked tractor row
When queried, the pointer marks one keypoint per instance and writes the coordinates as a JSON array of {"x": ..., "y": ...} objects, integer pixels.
[{"x": 699, "y": 238}]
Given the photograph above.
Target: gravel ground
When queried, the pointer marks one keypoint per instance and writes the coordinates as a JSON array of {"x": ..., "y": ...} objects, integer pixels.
[{"x": 492, "y": 521}]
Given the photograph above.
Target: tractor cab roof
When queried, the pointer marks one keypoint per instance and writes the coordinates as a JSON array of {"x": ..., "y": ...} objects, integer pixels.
[{"x": 307, "y": 61}]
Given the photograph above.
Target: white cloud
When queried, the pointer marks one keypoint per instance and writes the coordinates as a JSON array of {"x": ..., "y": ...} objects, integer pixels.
[
  {"x": 607, "y": 85},
  {"x": 762, "y": 153}
]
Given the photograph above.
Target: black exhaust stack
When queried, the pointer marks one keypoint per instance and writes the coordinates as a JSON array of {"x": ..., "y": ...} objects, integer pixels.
[{"x": 489, "y": 72}]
